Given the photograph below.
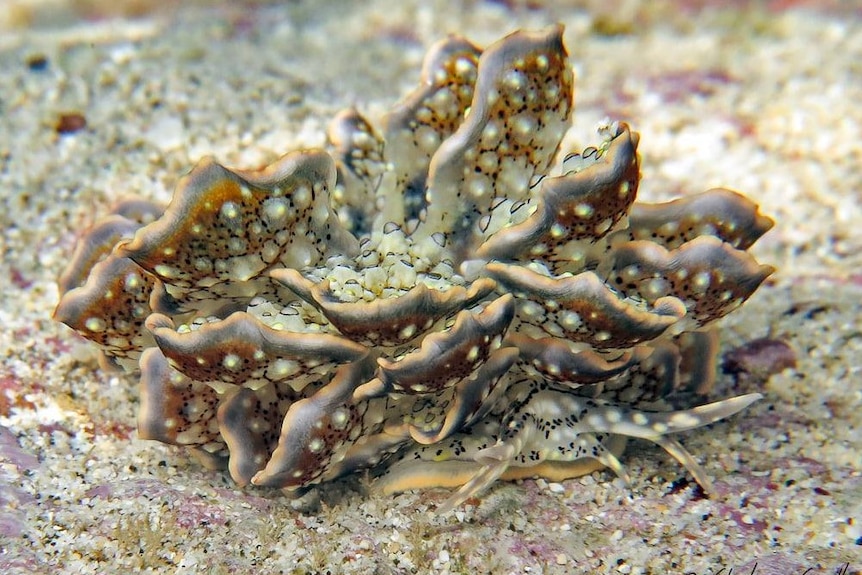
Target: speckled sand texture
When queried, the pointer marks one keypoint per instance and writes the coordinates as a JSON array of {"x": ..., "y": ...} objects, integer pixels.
[{"x": 762, "y": 98}]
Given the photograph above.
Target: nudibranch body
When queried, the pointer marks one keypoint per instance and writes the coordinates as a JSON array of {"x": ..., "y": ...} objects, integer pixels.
[{"x": 446, "y": 301}]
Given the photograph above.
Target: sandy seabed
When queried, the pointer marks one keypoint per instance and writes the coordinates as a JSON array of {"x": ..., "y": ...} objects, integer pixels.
[{"x": 100, "y": 100}]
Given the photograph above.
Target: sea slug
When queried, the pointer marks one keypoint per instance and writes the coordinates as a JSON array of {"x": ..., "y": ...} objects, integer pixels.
[{"x": 447, "y": 300}]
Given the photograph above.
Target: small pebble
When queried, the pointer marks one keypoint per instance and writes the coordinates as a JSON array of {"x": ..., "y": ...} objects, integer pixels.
[
  {"x": 37, "y": 62},
  {"x": 561, "y": 559},
  {"x": 69, "y": 123},
  {"x": 556, "y": 488}
]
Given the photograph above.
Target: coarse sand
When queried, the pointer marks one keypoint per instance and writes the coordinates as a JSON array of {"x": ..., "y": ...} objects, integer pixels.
[{"x": 103, "y": 99}]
